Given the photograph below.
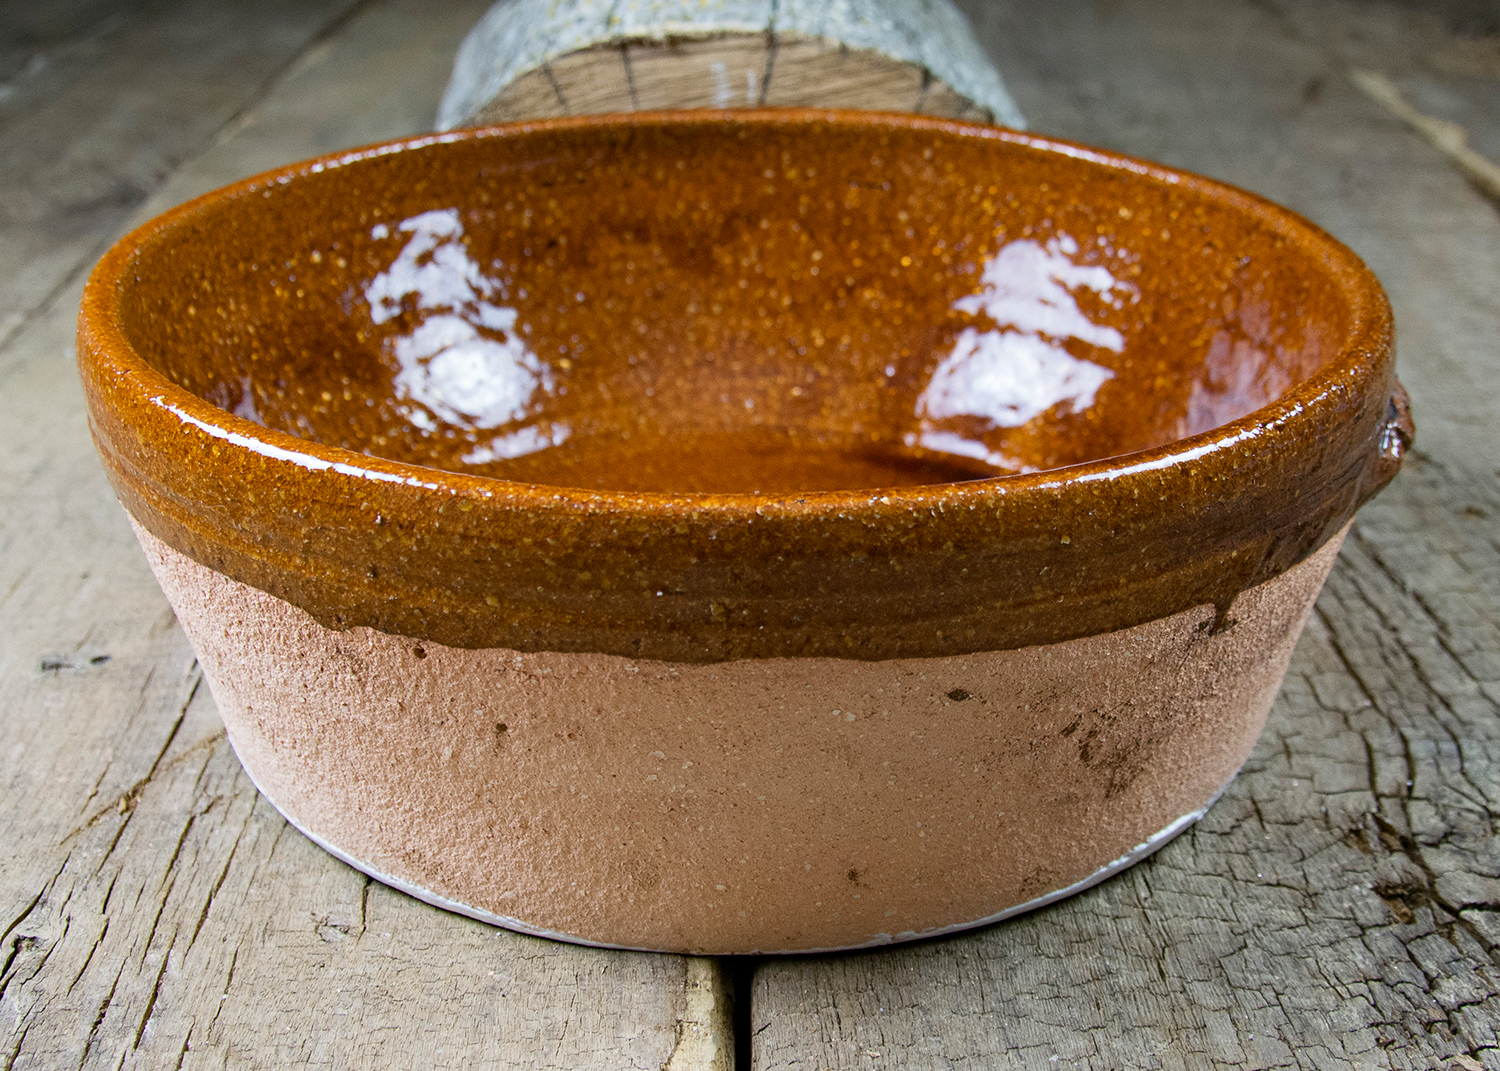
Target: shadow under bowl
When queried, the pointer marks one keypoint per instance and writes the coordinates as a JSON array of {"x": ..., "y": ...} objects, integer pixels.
[{"x": 742, "y": 532}]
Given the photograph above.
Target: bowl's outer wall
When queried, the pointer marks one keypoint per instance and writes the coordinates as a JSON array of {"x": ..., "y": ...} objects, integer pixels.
[
  {"x": 764, "y": 805},
  {"x": 470, "y": 561}
]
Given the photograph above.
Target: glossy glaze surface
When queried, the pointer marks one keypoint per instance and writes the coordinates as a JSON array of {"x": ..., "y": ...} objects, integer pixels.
[{"x": 699, "y": 388}]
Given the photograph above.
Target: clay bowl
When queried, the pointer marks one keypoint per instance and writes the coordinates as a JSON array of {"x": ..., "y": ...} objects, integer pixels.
[{"x": 752, "y": 532}]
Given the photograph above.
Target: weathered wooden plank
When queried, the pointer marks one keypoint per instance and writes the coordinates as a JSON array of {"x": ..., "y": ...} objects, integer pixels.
[
  {"x": 1185, "y": 959},
  {"x": 27, "y": 30},
  {"x": 1437, "y": 68},
  {"x": 1444, "y": 56},
  {"x": 1325, "y": 914},
  {"x": 154, "y": 911},
  {"x": 103, "y": 103},
  {"x": 1340, "y": 907}
]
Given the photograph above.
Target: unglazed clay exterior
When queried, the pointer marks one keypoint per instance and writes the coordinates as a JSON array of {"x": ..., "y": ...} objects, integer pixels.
[
  {"x": 762, "y": 805},
  {"x": 478, "y": 466}
]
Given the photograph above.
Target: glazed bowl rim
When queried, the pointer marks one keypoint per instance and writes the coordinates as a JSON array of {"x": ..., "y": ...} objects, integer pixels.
[{"x": 1369, "y": 328}]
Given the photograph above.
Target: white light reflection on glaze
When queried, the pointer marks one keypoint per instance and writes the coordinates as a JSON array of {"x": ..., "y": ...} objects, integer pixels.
[
  {"x": 1008, "y": 376},
  {"x": 277, "y": 453},
  {"x": 1192, "y": 453},
  {"x": 950, "y": 442},
  {"x": 519, "y": 443},
  {"x": 1239, "y": 374},
  {"x": 464, "y": 362},
  {"x": 245, "y": 408}
]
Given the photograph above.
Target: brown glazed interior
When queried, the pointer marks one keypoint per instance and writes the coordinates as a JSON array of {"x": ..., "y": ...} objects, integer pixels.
[{"x": 701, "y": 386}]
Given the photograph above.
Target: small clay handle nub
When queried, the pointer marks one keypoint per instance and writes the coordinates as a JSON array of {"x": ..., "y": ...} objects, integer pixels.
[
  {"x": 1397, "y": 433},
  {"x": 538, "y": 59}
]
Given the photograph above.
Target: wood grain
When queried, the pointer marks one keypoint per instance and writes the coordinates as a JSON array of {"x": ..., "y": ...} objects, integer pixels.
[
  {"x": 732, "y": 71},
  {"x": 577, "y": 57},
  {"x": 108, "y": 102},
  {"x": 154, "y": 910},
  {"x": 1340, "y": 907}
]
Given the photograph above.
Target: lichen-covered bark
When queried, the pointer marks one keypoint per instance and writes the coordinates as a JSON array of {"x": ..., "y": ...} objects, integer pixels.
[{"x": 519, "y": 39}]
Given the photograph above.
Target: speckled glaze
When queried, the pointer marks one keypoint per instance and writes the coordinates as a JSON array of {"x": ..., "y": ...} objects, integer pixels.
[
  {"x": 840, "y": 400},
  {"x": 665, "y": 268}
]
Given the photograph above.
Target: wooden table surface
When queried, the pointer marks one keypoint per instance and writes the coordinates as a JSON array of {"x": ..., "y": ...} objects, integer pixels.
[{"x": 1338, "y": 908}]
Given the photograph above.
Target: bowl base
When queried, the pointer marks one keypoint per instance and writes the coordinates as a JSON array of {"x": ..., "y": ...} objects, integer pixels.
[{"x": 1146, "y": 848}]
